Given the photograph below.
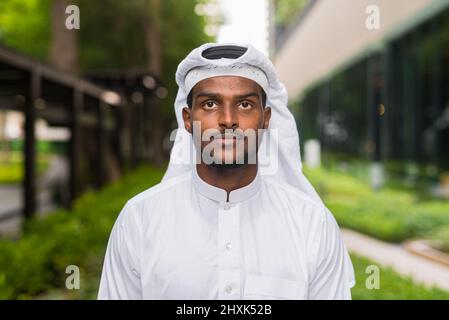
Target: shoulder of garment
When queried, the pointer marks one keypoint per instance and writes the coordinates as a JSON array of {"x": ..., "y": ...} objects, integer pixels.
[
  {"x": 132, "y": 210},
  {"x": 160, "y": 188},
  {"x": 296, "y": 196}
]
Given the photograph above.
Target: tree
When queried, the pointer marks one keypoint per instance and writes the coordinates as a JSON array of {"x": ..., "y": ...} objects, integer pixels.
[
  {"x": 64, "y": 42},
  {"x": 25, "y": 25},
  {"x": 152, "y": 28}
]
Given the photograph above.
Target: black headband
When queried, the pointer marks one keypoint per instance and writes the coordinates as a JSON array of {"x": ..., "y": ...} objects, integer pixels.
[{"x": 229, "y": 52}]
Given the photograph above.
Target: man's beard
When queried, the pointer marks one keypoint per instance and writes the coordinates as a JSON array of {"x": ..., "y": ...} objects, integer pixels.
[
  {"x": 240, "y": 159},
  {"x": 224, "y": 166},
  {"x": 233, "y": 165}
]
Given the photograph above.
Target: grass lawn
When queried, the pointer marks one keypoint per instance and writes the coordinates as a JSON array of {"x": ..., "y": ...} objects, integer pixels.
[{"x": 392, "y": 286}]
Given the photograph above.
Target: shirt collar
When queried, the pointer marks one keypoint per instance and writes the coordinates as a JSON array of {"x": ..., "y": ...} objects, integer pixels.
[{"x": 220, "y": 195}]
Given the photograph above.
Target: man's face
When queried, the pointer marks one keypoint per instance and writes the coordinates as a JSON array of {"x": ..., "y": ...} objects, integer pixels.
[{"x": 227, "y": 104}]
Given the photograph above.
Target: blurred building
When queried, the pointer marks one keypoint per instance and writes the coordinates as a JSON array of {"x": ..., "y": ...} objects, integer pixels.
[{"x": 370, "y": 79}]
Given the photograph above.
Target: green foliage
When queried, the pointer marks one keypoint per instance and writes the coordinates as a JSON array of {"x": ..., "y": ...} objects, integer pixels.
[
  {"x": 36, "y": 262},
  {"x": 183, "y": 31},
  {"x": 440, "y": 239},
  {"x": 103, "y": 32},
  {"x": 288, "y": 10},
  {"x": 25, "y": 25},
  {"x": 391, "y": 285},
  {"x": 12, "y": 170},
  {"x": 390, "y": 214},
  {"x": 105, "y": 24}
]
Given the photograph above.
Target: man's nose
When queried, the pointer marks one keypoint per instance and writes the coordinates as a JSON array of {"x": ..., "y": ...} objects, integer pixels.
[{"x": 228, "y": 118}]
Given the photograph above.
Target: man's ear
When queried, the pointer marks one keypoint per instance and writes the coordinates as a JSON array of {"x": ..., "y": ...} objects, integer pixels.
[
  {"x": 267, "y": 117},
  {"x": 187, "y": 117}
]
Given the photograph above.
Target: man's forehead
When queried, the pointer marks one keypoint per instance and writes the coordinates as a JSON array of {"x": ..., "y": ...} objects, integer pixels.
[{"x": 224, "y": 83}]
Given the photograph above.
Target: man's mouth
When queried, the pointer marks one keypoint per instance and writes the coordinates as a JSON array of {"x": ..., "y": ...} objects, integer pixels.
[{"x": 227, "y": 138}]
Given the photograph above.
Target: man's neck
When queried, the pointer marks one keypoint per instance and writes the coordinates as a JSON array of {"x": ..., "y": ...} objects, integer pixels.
[{"x": 227, "y": 178}]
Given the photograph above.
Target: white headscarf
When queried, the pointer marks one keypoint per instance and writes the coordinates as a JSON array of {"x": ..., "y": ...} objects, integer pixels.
[{"x": 285, "y": 165}]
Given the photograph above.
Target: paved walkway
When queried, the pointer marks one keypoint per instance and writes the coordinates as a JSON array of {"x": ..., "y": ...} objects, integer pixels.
[
  {"x": 420, "y": 269},
  {"x": 11, "y": 196},
  {"x": 10, "y": 199},
  {"x": 11, "y": 208}
]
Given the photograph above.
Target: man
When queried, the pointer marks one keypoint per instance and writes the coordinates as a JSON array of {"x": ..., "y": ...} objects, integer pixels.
[{"x": 223, "y": 224}]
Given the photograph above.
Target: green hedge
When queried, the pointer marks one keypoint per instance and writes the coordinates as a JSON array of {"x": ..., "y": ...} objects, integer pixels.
[
  {"x": 36, "y": 262},
  {"x": 390, "y": 214},
  {"x": 440, "y": 239}
]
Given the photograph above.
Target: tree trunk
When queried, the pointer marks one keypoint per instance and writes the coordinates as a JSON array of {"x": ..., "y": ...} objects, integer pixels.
[
  {"x": 64, "y": 42},
  {"x": 152, "y": 28}
]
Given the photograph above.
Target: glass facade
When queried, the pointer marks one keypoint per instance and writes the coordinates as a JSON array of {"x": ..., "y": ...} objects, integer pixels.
[{"x": 390, "y": 106}]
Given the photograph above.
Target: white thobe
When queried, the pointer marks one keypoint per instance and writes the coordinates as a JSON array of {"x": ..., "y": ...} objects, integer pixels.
[{"x": 182, "y": 239}]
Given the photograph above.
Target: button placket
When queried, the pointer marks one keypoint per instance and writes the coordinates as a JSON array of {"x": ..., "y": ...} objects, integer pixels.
[{"x": 229, "y": 260}]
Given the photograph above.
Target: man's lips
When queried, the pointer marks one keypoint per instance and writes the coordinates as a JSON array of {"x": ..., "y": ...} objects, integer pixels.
[{"x": 227, "y": 139}]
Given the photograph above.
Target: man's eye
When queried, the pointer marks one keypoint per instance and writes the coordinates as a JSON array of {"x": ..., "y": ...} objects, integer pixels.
[
  {"x": 245, "y": 105},
  {"x": 209, "y": 105}
]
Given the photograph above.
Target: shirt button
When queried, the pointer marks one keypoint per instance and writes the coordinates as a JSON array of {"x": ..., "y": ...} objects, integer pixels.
[
  {"x": 228, "y": 288},
  {"x": 227, "y": 206},
  {"x": 228, "y": 245}
]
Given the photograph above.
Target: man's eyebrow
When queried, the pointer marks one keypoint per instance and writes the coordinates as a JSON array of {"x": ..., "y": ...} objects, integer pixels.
[
  {"x": 247, "y": 95},
  {"x": 216, "y": 96},
  {"x": 207, "y": 95}
]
